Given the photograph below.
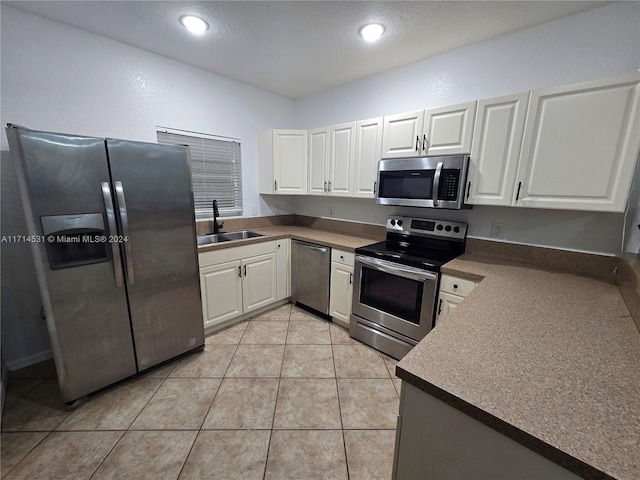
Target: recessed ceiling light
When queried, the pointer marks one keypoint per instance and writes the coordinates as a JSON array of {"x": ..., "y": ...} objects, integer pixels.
[
  {"x": 195, "y": 25},
  {"x": 372, "y": 32}
]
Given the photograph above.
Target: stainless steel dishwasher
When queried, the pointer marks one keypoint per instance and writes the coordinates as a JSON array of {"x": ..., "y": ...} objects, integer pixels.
[{"x": 310, "y": 270}]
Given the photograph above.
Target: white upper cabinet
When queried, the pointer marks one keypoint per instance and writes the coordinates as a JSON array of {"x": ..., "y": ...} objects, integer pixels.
[
  {"x": 368, "y": 150},
  {"x": 580, "y": 146},
  {"x": 401, "y": 134},
  {"x": 282, "y": 162},
  {"x": 341, "y": 159},
  {"x": 448, "y": 130},
  {"x": 437, "y": 131},
  {"x": 495, "y": 150},
  {"x": 318, "y": 161}
]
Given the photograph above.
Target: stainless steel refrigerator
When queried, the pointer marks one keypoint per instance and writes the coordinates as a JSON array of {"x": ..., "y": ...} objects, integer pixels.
[{"x": 113, "y": 240}]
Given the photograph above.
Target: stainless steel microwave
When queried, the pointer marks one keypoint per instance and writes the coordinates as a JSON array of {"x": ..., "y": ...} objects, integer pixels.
[{"x": 433, "y": 182}]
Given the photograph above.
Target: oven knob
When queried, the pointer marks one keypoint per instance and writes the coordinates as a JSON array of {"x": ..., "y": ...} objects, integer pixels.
[
  {"x": 439, "y": 227},
  {"x": 448, "y": 228},
  {"x": 456, "y": 229},
  {"x": 399, "y": 223},
  {"x": 393, "y": 223}
]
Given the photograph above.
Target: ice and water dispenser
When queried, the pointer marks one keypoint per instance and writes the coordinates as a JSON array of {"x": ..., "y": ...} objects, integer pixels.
[{"x": 75, "y": 240}]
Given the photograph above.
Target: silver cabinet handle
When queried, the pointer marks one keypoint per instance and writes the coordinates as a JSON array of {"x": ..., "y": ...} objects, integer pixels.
[
  {"x": 325, "y": 186},
  {"x": 245, "y": 270},
  {"x": 239, "y": 271},
  {"x": 124, "y": 222},
  {"x": 417, "y": 143},
  {"x": 350, "y": 278},
  {"x": 424, "y": 143},
  {"x": 111, "y": 222},
  {"x": 275, "y": 185},
  {"x": 436, "y": 184},
  {"x": 329, "y": 186},
  {"x": 375, "y": 186}
]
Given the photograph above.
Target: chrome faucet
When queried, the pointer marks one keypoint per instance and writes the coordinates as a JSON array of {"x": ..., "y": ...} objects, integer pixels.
[{"x": 216, "y": 214}]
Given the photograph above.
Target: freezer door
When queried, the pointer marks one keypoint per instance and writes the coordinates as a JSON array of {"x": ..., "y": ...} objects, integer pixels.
[
  {"x": 155, "y": 203},
  {"x": 60, "y": 180}
]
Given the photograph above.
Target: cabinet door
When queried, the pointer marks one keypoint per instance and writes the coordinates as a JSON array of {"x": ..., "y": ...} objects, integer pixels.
[
  {"x": 402, "y": 134},
  {"x": 283, "y": 287},
  {"x": 318, "y": 161},
  {"x": 580, "y": 146},
  {"x": 343, "y": 149},
  {"x": 258, "y": 281},
  {"x": 448, "y": 130},
  {"x": 495, "y": 149},
  {"x": 290, "y": 161},
  {"x": 368, "y": 150},
  {"x": 447, "y": 304},
  {"x": 221, "y": 287},
  {"x": 341, "y": 293}
]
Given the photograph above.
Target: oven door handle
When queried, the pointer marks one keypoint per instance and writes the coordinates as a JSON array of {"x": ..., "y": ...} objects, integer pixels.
[{"x": 396, "y": 269}]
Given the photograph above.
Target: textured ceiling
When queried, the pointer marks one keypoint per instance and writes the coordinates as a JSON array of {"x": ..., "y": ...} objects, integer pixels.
[{"x": 297, "y": 48}]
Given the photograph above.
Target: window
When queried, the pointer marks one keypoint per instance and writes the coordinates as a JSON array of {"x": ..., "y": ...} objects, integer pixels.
[{"x": 216, "y": 170}]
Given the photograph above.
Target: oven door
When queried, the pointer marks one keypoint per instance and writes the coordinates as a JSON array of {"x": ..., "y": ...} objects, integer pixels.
[{"x": 398, "y": 297}]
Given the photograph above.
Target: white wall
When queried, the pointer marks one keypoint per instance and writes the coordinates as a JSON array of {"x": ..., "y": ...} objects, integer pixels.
[
  {"x": 594, "y": 44},
  {"x": 59, "y": 78}
]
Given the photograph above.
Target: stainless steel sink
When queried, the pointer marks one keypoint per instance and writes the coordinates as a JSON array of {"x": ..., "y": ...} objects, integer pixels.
[
  {"x": 226, "y": 237},
  {"x": 241, "y": 235},
  {"x": 209, "y": 239}
]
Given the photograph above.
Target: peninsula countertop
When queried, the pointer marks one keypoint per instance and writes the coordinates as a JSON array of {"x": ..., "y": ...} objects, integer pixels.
[{"x": 550, "y": 359}]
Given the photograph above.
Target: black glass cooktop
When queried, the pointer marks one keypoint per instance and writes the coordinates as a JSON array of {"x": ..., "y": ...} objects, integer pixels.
[{"x": 417, "y": 253}]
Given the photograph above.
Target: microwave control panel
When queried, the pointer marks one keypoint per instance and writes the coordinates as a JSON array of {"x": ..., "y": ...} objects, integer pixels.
[
  {"x": 449, "y": 180},
  {"x": 427, "y": 227}
]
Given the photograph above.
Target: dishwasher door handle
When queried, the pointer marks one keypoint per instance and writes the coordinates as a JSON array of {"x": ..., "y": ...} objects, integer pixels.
[{"x": 313, "y": 247}]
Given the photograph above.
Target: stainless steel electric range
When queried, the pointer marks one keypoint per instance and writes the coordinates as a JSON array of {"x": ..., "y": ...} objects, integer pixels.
[{"x": 396, "y": 282}]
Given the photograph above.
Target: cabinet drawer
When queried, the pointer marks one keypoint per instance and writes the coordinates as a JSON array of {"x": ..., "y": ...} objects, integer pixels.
[
  {"x": 457, "y": 286},
  {"x": 345, "y": 258},
  {"x": 231, "y": 254}
]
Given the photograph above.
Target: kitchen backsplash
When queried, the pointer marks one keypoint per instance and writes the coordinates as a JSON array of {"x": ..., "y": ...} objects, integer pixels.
[{"x": 628, "y": 281}]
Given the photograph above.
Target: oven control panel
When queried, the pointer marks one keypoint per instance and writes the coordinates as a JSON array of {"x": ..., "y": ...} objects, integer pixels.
[{"x": 427, "y": 227}]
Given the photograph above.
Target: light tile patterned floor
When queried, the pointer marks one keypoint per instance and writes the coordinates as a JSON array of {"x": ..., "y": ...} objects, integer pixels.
[{"x": 285, "y": 395}]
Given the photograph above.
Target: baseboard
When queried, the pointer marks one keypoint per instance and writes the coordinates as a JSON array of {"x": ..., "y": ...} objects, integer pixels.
[{"x": 30, "y": 360}]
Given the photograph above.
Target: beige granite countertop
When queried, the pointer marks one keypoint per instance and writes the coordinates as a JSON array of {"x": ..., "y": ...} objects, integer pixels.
[
  {"x": 330, "y": 239},
  {"x": 550, "y": 359}
]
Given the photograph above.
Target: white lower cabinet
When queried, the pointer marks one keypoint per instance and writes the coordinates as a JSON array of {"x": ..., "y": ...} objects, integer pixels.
[
  {"x": 221, "y": 293},
  {"x": 258, "y": 282},
  {"x": 452, "y": 292},
  {"x": 341, "y": 290},
  {"x": 435, "y": 440},
  {"x": 236, "y": 281}
]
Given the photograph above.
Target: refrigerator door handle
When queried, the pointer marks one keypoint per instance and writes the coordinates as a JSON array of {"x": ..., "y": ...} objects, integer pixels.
[
  {"x": 124, "y": 222},
  {"x": 111, "y": 222}
]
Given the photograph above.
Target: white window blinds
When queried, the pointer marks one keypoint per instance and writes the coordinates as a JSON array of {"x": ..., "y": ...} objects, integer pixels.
[{"x": 216, "y": 171}]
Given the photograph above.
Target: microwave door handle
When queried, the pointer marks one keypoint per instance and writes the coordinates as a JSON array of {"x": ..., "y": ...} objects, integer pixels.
[
  {"x": 395, "y": 269},
  {"x": 436, "y": 184},
  {"x": 111, "y": 222}
]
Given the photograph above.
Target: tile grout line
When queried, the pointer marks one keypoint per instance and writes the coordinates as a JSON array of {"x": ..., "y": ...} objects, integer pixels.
[
  {"x": 275, "y": 405},
  {"x": 204, "y": 418},
  {"x": 344, "y": 441}
]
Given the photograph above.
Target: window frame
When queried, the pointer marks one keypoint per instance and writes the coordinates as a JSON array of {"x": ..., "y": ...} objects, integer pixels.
[{"x": 212, "y": 157}]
